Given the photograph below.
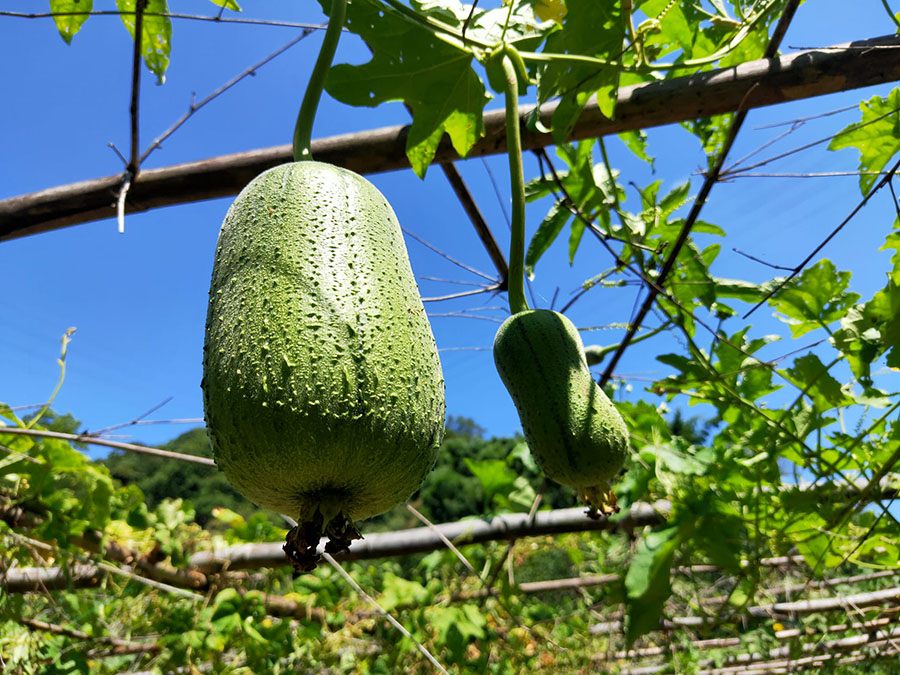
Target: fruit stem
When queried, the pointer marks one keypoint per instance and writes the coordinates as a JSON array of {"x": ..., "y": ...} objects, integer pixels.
[
  {"x": 516, "y": 283},
  {"x": 303, "y": 128}
]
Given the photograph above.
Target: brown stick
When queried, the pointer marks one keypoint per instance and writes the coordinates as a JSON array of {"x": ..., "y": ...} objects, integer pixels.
[{"x": 796, "y": 76}]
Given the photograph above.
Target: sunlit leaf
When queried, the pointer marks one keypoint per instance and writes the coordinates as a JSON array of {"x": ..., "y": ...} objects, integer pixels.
[
  {"x": 647, "y": 584},
  {"x": 815, "y": 298},
  {"x": 227, "y": 4},
  {"x": 876, "y": 136},
  {"x": 636, "y": 141},
  {"x": 551, "y": 10},
  {"x": 410, "y": 64},
  {"x": 69, "y": 15},
  {"x": 156, "y": 33},
  {"x": 594, "y": 29}
]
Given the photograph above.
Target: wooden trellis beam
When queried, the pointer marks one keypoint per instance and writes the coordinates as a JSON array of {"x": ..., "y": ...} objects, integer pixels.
[
  {"x": 425, "y": 539},
  {"x": 795, "y": 76}
]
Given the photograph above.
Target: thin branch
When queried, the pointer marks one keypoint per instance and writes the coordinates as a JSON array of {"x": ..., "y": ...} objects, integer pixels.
[
  {"x": 464, "y": 349},
  {"x": 501, "y": 202},
  {"x": 453, "y": 281},
  {"x": 699, "y": 202},
  {"x": 481, "y": 227},
  {"x": 796, "y": 270},
  {"x": 808, "y": 118},
  {"x": 368, "y": 598},
  {"x": 647, "y": 281},
  {"x": 194, "y": 107},
  {"x": 134, "y": 163},
  {"x": 134, "y": 421},
  {"x": 447, "y": 257},
  {"x": 170, "y": 15},
  {"x": 761, "y": 261},
  {"x": 728, "y": 173},
  {"x": 811, "y": 174},
  {"x": 449, "y": 544},
  {"x": 792, "y": 77},
  {"x": 91, "y": 440},
  {"x": 463, "y": 294},
  {"x": 463, "y": 315},
  {"x": 723, "y": 643},
  {"x": 142, "y": 646}
]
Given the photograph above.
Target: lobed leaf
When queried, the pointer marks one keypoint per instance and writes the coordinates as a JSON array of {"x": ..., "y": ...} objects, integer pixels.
[
  {"x": 409, "y": 64},
  {"x": 876, "y": 136}
]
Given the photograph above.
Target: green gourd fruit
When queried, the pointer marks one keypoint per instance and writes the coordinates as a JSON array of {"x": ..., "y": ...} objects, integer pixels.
[
  {"x": 574, "y": 432},
  {"x": 323, "y": 390}
]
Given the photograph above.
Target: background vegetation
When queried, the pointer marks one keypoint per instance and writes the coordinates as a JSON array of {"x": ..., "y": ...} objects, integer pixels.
[{"x": 762, "y": 536}]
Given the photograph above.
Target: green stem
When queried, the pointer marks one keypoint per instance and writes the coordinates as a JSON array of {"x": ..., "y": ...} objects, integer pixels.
[
  {"x": 303, "y": 129},
  {"x": 66, "y": 339},
  {"x": 516, "y": 282},
  {"x": 890, "y": 12}
]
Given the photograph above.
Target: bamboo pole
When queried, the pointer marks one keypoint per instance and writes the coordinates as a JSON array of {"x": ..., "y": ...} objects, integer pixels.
[{"x": 799, "y": 75}]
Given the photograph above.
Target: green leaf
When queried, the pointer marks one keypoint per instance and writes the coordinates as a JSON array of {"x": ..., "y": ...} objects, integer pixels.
[
  {"x": 156, "y": 33},
  {"x": 636, "y": 141},
  {"x": 815, "y": 298},
  {"x": 675, "y": 458},
  {"x": 594, "y": 29},
  {"x": 810, "y": 375},
  {"x": 227, "y": 4},
  {"x": 577, "y": 231},
  {"x": 69, "y": 24},
  {"x": 545, "y": 235},
  {"x": 496, "y": 478},
  {"x": 402, "y": 592},
  {"x": 410, "y": 64},
  {"x": 551, "y": 10},
  {"x": 647, "y": 585},
  {"x": 869, "y": 330},
  {"x": 876, "y": 136}
]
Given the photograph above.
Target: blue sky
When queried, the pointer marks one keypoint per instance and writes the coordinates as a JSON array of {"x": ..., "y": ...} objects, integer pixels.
[{"x": 138, "y": 299}]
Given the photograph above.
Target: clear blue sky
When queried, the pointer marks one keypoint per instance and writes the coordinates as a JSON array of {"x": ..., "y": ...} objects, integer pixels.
[{"x": 138, "y": 300}]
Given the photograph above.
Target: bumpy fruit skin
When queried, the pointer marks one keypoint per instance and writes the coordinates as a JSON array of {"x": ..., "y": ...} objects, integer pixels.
[
  {"x": 574, "y": 432},
  {"x": 323, "y": 390}
]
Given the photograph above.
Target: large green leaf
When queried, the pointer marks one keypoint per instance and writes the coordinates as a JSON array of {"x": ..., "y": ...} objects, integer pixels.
[
  {"x": 546, "y": 234},
  {"x": 871, "y": 329},
  {"x": 647, "y": 585},
  {"x": 811, "y": 376},
  {"x": 410, "y": 64},
  {"x": 876, "y": 136},
  {"x": 591, "y": 28},
  {"x": 67, "y": 23},
  {"x": 156, "y": 33},
  {"x": 815, "y": 298}
]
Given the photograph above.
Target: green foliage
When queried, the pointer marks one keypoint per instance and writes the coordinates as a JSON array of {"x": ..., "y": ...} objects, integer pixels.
[
  {"x": 791, "y": 451},
  {"x": 595, "y": 29},
  {"x": 67, "y": 21},
  {"x": 159, "y": 479},
  {"x": 876, "y": 136},
  {"x": 411, "y": 64},
  {"x": 156, "y": 33}
]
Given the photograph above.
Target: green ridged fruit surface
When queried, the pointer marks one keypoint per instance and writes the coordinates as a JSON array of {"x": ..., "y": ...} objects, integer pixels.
[
  {"x": 574, "y": 432},
  {"x": 323, "y": 390}
]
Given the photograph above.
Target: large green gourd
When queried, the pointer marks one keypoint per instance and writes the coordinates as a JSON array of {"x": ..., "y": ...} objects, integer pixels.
[
  {"x": 574, "y": 432},
  {"x": 322, "y": 385}
]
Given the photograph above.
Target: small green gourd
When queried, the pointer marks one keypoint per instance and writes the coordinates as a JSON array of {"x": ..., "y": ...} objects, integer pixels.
[
  {"x": 573, "y": 430},
  {"x": 323, "y": 389}
]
